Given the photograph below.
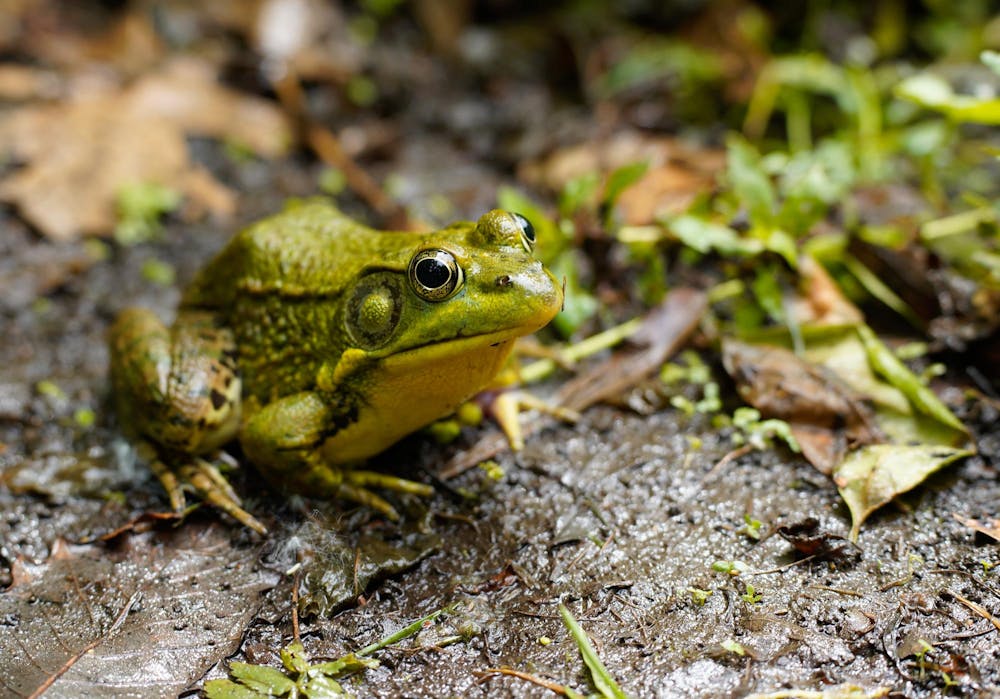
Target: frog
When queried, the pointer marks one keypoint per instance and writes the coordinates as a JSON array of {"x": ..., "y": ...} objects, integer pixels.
[{"x": 316, "y": 342}]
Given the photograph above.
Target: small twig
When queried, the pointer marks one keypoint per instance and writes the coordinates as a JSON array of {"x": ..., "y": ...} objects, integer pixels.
[
  {"x": 779, "y": 568},
  {"x": 115, "y": 625},
  {"x": 329, "y": 149},
  {"x": 978, "y": 609},
  {"x": 562, "y": 690},
  {"x": 970, "y": 576},
  {"x": 838, "y": 590},
  {"x": 295, "y": 604},
  {"x": 731, "y": 456}
]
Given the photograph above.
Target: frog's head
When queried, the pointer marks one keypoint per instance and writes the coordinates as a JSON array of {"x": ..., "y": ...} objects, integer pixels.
[{"x": 444, "y": 288}]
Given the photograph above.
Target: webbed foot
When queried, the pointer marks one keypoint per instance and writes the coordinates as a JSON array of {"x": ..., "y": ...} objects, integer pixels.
[
  {"x": 203, "y": 479},
  {"x": 353, "y": 485}
]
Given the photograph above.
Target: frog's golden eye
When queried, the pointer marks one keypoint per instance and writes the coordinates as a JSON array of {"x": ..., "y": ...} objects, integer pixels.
[
  {"x": 435, "y": 274},
  {"x": 527, "y": 231}
]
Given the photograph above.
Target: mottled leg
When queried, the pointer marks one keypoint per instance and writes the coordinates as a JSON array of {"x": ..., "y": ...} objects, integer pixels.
[
  {"x": 179, "y": 390},
  {"x": 285, "y": 439}
]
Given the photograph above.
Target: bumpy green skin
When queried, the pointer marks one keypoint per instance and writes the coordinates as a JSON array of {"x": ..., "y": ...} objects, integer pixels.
[{"x": 307, "y": 338}]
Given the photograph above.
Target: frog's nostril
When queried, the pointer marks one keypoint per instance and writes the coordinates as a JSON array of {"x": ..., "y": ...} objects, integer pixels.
[{"x": 504, "y": 281}]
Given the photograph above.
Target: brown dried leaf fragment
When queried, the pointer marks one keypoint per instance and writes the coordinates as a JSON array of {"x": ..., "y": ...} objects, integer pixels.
[
  {"x": 826, "y": 417},
  {"x": 989, "y": 527},
  {"x": 79, "y": 154}
]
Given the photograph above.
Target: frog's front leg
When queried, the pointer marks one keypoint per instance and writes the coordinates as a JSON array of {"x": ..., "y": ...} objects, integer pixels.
[
  {"x": 285, "y": 440},
  {"x": 178, "y": 389}
]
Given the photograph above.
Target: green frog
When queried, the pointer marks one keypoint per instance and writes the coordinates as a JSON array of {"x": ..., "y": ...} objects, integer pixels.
[{"x": 318, "y": 342}]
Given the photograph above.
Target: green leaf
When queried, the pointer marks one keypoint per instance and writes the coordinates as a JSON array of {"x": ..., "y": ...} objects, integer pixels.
[
  {"x": 932, "y": 92},
  {"x": 577, "y": 193},
  {"x": 812, "y": 181},
  {"x": 750, "y": 182},
  {"x": 140, "y": 206},
  {"x": 888, "y": 366},
  {"x": 294, "y": 659},
  {"x": 227, "y": 689},
  {"x": 621, "y": 179},
  {"x": 599, "y": 674},
  {"x": 261, "y": 678},
  {"x": 704, "y": 236},
  {"x": 323, "y": 687},
  {"x": 873, "y": 475}
]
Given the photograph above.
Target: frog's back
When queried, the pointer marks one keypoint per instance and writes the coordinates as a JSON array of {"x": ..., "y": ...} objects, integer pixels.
[{"x": 309, "y": 249}]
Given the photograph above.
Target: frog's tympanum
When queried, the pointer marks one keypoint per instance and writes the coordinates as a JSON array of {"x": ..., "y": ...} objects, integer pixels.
[{"x": 319, "y": 342}]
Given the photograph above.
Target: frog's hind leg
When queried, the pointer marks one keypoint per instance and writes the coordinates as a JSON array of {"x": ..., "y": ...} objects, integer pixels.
[
  {"x": 178, "y": 388},
  {"x": 210, "y": 485},
  {"x": 285, "y": 438}
]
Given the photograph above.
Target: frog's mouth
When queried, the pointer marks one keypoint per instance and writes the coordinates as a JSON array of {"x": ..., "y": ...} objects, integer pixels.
[{"x": 454, "y": 347}]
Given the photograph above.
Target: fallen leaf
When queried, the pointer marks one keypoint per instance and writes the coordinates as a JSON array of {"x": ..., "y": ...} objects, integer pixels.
[
  {"x": 873, "y": 475},
  {"x": 109, "y": 140},
  {"x": 676, "y": 173},
  {"x": 822, "y": 302},
  {"x": 78, "y": 625},
  {"x": 186, "y": 92},
  {"x": 71, "y": 189},
  {"x": 668, "y": 189},
  {"x": 826, "y": 415},
  {"x": 20, "y": 82},
  {"x": 810, "y": 540},
  {"x": 989, "y": 527},
  {"x": 664, "y": 331}
]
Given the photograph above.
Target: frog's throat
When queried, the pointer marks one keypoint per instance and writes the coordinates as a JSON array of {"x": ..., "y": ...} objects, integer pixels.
[{"x": 412, "y": 389}]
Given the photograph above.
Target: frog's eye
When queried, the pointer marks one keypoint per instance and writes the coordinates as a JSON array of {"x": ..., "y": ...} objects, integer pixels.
[
  {"x": 435, "y": 274},
  {"x": 527, "y": 231}
]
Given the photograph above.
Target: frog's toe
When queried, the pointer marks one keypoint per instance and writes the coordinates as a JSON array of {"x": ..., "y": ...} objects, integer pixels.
[
  {"x": 507, "y": 408},
  {"x": 355, "y": 487},
  {"x": 367, "y": 498},
  {"x": 168, "y": 479},
  {"x": 212, "y": 487},
  {"x": 374, "y": 479}
]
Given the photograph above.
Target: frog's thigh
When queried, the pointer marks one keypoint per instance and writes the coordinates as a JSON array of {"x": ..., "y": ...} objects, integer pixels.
[{"x": 179, "y": 386}]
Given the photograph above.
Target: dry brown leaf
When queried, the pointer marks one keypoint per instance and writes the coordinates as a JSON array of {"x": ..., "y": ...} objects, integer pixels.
[
  {"x": 124, "y": 42},
  {"x": 20, "y": 83},
  {"x": 989, "y": 527},
  {"x": 624, "y": 148},
  {"x": 825, "y": 416},
  {"x": 664, "y": 190},
  {"x": 187, "y": 93},
  {"x": 822, "y": 302},
  {"x": 79, "y": 154}
]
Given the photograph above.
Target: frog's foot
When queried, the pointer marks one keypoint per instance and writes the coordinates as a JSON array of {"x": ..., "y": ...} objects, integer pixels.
[
  {"x": 204, "y": 479},
  {"x": 353, "y": 485},
  {"x": 507, "y": 407}
]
